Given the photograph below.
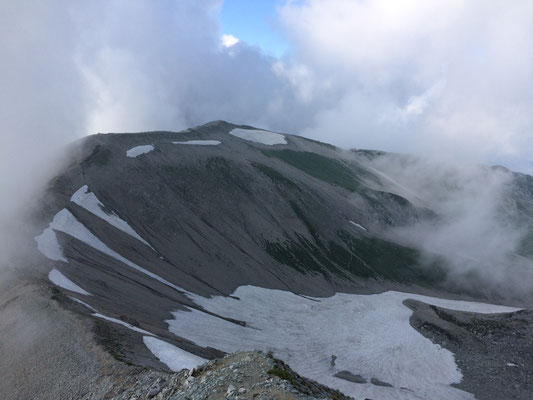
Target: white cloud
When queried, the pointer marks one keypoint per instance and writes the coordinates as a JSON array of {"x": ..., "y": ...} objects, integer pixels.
[
  {"x": 387, "y": 62},
  {"x": 413, "y": 76},
  {"x": 229, "y": 40}
]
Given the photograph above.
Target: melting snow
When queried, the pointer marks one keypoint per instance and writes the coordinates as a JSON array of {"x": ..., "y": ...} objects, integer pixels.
[
  {"x": 83, "y": 303},
  {"x": 357, "y": 225},
  {"x": 200, "y": 142},
  {"x": 48, "y": 245},
  {"x": 258, "y": 136},
  {"x": 174, "y": 357},
  {"x": 120, "y": 322},
  {"x": 370, "y": 335},
  {"x": 61, "y": 280},
  {"x": 97, "y": 314},
  {"x": 90, "y": 202},
  {"x": 138, "y": 150},
  {"x": 65, "y": 222}
]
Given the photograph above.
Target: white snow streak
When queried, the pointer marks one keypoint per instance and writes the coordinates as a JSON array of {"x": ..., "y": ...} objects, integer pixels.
[
  {"x": 174, "y": 357},
  {"x": 61, "y": 280},
  {"x": 120, "y": 322},
  {"x": 90, "y": 202},
  {"x": 138, "y": 150},
  {"x": 65, "y": 222},
  {"x": 98, "y": 314},
  {"x": 357, "y": 225},
  {"x": 83, "y": 303},
  {"x": 370, "y": 335},
  {"x": 259, "y": 136},
  {"x": 200, "y": 142}
]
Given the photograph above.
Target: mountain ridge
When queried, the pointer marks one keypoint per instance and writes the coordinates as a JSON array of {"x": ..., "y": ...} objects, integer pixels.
[{"x": 204, "y": 226}]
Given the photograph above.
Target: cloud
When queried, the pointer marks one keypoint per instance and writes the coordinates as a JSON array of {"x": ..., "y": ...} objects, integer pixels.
[
  {"x": 420, "y": 76},
  {"x": 479, "y": 226},
  {"x": 229, "y": 40}
]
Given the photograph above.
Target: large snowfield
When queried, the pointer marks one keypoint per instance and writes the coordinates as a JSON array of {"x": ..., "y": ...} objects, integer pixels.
[{"x": 369, "y": 335}]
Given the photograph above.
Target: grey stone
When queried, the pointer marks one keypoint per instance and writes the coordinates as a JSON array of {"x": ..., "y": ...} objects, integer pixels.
[{"x": 348, "y": 376}]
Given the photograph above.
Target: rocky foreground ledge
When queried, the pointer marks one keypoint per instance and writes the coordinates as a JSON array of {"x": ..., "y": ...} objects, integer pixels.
[{"x": 241, "y": 375}]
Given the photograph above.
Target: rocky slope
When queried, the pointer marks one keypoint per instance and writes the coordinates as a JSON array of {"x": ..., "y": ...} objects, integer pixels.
[{"x": 239, "y": 376}]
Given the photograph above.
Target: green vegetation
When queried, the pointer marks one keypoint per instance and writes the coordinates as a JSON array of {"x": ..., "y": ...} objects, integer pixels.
[
  {"x": 310, "y": 256},
  {"x": 326, "y": 169},
  {"x": 275, "y": 175},
  {"x": 359, "y": 256},
  {"x": 285, "y": 375},
  {"x": 99, "y": 156},
  {"x": 392, "y": 261},
  {"x": 300, "y": 214}
]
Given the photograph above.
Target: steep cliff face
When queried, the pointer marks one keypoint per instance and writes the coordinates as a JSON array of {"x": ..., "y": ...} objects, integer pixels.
[{"x": 177, "y": 248}]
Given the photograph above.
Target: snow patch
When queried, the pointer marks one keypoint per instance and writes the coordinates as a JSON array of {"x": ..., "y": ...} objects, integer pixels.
[
  {"x": 357, "y": 225},
  {"x": 48, "y": 245},
  {"x": 201, "y": 142},
  {"x": 174, "y": 357},
  {"x": 65, "y": 222},
  {"x": 370, "y": 335},
  {"x": 138, "y": 150},
  {"x": 61, "y": 280},
  {"x": 259, "y": 136},
  {"x": 90, "y": 202}
]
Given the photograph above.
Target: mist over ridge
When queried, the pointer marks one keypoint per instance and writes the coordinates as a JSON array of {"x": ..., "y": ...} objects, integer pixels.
[{"x": 358, "y": 205}]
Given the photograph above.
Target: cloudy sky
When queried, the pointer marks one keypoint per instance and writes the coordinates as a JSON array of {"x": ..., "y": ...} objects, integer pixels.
[{"x": 450, "y": 78}]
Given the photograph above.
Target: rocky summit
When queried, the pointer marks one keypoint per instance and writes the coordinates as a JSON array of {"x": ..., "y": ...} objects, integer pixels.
[{"x": 241, "y": 375}]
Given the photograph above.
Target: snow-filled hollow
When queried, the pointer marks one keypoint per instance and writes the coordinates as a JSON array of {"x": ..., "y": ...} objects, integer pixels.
[
  {"x": 259, "y": 136},
  {"x": 58, "y": 279},
  {"x": 369, "y": 334},
  {"x": 138, "y": 150},
  {"x": 200, "y": 142}
]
